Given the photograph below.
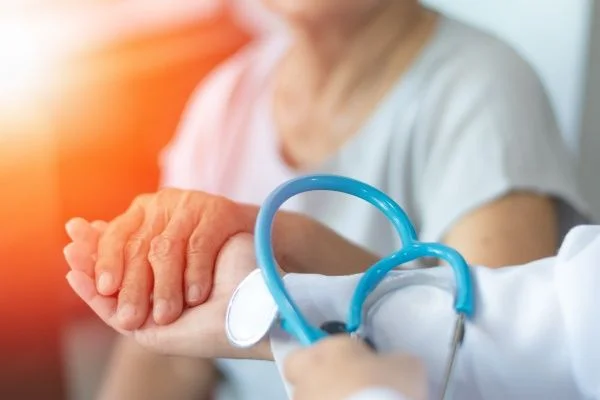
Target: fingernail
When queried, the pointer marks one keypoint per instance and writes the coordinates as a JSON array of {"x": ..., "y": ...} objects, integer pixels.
[
  {"x": 105, "y": 282},
  {"x": 161, "y": 310},
  {"x": 125, "y": 313},
  {"x": 194, "y": 293}
]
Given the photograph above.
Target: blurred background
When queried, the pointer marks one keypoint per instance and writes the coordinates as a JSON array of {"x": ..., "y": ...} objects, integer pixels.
[{"x": 91, "y": 90}]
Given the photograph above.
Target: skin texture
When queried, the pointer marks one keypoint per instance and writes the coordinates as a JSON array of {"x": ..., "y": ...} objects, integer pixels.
[{"x": 512, "y": 230}]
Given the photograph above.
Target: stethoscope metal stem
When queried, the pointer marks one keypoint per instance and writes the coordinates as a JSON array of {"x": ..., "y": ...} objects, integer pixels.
[{"x": 457, "y": 339}]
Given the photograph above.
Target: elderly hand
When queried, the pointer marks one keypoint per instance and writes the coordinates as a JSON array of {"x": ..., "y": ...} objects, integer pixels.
[
  {"x": 165, "y": 246},
  {"x": 340, "y": 366},
  {"x": 200, "y": 330}
]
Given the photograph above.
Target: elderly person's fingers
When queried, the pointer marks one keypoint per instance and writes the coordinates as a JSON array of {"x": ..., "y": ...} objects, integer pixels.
[
  {"x": 99, "y": 226},
  {"x": 218, "y": 222},
  {"x": 104, "y": 307},
  {"x": 112, "y": 245},
  {"x": 79, "y": 230},
  {"x": 168, "y": 261},
  {"x": 138, "y": 280},
  {"x": 85, "y": 234},
  {"x": 79, "y": 258},
  {"x": 81, "y": 252}
]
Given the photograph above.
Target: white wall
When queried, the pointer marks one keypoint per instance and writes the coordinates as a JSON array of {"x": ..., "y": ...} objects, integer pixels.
[
  {"x": 590, "y": 140},
  {"x": 551, "y": 34}
]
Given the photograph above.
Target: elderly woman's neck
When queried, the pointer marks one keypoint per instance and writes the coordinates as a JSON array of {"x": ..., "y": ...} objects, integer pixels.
[{"x": 338, "y": 58}]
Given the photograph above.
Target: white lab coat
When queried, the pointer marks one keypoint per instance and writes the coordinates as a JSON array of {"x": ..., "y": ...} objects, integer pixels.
[{"x": 535, "y": 333}]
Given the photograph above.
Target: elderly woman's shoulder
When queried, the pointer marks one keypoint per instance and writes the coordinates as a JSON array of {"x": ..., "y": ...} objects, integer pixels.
[{"x": 477, "y": 54}]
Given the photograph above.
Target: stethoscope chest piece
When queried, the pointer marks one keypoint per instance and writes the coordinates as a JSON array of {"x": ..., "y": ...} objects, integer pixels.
[{"x": 251, "y": 313}]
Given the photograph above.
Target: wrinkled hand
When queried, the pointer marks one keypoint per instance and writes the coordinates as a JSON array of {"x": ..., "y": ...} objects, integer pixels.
[
  {"x": 340, "y": 366},
  {"x": 163, "y": 247},
  {"x": 200, "y": 330}
]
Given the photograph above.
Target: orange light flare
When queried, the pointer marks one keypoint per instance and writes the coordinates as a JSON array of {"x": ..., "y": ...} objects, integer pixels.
[
  {"x": 29, "y": 203},
  {"x": 25, "y": 63}
]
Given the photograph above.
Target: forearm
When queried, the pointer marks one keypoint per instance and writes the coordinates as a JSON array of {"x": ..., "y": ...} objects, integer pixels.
[
  {"x": 316, "y": 249},
  {"x": 136, "y": 373},
  {"x": 514, "y": 230},
  {"x": 303, "y": 245}
]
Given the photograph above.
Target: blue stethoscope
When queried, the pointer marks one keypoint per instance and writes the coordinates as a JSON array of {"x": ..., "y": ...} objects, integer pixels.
[{"x": 292, "y": 320}]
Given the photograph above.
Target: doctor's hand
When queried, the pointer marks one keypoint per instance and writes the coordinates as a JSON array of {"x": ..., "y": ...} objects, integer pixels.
[
  {"x": 165, "y": 246},
  {"x": 340, "y": 366},
  {"x": 200, "y": 330}
]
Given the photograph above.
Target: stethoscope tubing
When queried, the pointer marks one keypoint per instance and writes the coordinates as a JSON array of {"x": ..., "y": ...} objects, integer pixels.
[{"x": 291, "y": 318}]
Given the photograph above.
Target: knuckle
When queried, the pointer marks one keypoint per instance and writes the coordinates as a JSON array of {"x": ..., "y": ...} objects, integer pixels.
[
  {"x": 134, "y": 248},
  {"x": 201, "y": 245},
  {"x": 167, "y": 192},
  {"x": 216, "y": 208},
  {"x": 141, "y": 199},
  {"x": 162, "y": 247},
  {"x": 225, "y": 207}
]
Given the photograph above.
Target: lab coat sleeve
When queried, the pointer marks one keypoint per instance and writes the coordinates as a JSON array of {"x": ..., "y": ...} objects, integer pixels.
[
  {"x": 578, "y": 285},
  {"x": 531, "y": 336}
]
